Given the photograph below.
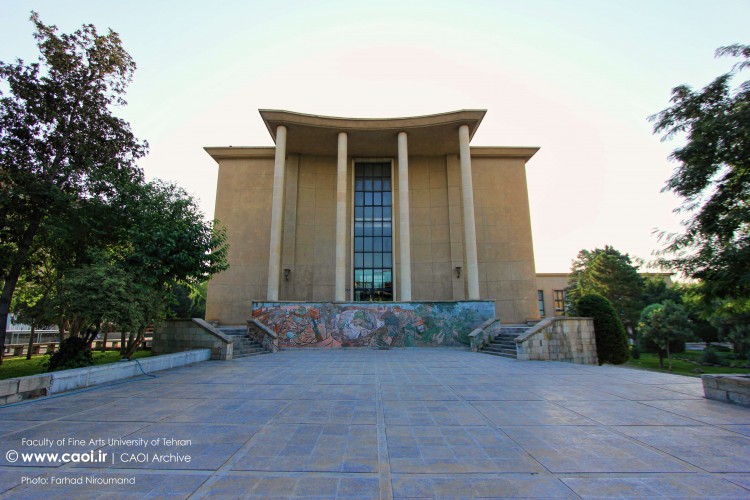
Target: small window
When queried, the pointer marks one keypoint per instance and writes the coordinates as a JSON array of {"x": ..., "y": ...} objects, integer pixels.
[
  {"x": 540, "y": 299},
  {"x": 559, "y": 302}
]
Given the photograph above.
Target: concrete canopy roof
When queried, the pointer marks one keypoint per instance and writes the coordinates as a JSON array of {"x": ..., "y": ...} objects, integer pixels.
[{"x": 372, "y": 137}]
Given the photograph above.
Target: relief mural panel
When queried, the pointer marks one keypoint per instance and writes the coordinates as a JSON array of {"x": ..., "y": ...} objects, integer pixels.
[{"x": 372, "y": 324}]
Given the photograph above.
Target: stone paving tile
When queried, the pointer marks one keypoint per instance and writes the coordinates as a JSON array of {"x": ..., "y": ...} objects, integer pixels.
[
  {"x": 740, "y": 429},
  {"x": 282, "y": 392},
  {"x": 410, "y": 379},
  {"x": 590, "y": 449},
  {"x": 706, "y": 410},
  {"x": 494, "y": 392},
  {"x": 61, "y": 430},
  {"x": 11, "y": 477},
  {"x": 625, "y": 413},
  {"x": 339, "y": 392},
  {"x": 235, "y": 486},
  {"x": 7, "y": 426},
  {"x": 210, "y": 445},
  {"x": 136, "y": 409},
  {"x": 499, "y": 486},
  {"x": 639, "y": 392},
  {"x": 327, "y": 379},
  {"x": 424, "y": 393},
  {"x": 529, "y": 413},
  {"x": 331, "y": 448},
  {"x": 741, "y": 480},
  {"x": 146, "y": 485},
  {"x": 692, "y": 389},
  {"x": 400, "y": 423},
  {"x": 646, "y": 377},
  {"x": 571, "y": 393},
  {"x": 657, "y": 485},
  {"x": 476, "y": 449},
  {"x": 230, "y": 411},
  {"x": 711, "y": 448},
  {"x": 431, "y": 413},
  {"x": 327, "y": 412},
  {"x": 54, "y": 407},
  {"x": 597, "y": 380},
  {"x": 530, "y": 380}
]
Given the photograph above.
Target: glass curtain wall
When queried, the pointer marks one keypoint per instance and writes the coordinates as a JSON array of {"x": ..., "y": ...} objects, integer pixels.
[{"x": 373, "y": 232}]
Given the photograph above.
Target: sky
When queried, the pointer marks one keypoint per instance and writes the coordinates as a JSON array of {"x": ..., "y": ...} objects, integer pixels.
[{"x": 578, "y": 79}]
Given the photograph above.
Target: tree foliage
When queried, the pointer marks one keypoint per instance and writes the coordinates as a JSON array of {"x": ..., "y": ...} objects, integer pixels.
[
  {"x": 73, "y": 193},
  {"x": 713, "y": 178},
  {"x": 611, "y": 340},
  {"x": 662, "y": 326},
  {"x": 611, "y": 274},
  {"x": 63, "y": 153}
]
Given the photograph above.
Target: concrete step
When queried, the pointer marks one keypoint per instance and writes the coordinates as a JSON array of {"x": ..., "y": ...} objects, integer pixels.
[
  {"x": 251, "y": 354},
  {"x": 501, "y": 354},
  {"x": 244, "y": 346},
  {"x": 233, "y": 330}
]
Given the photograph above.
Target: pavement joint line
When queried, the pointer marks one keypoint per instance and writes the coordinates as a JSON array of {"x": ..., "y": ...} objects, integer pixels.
[
  {"x": 385, "y": 489},
  {"x": 203, "y": 489},
  {"x": 492, "y": 425}
]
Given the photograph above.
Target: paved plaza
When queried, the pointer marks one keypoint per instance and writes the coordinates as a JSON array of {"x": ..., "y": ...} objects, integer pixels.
[{"x": 405, "y": 423}]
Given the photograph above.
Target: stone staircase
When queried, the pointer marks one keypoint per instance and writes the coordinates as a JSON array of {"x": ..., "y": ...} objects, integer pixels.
[
  {"x": 244, "y": 346},
  {"x": 504, "y": 343}
]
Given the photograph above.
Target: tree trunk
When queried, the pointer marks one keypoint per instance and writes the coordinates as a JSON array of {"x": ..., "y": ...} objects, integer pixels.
[
  {"x": 661, "y": 358},
  {"x": 31, "y": 340},
  {"x": 61, "y": 331},
  {"x": 669, "y": 359},
  {"x": 134, "y": 342},
  {"x": 122, "y": 343},
  {"x": 11, "y": 280},
  {"x": 104, "y": 344}
]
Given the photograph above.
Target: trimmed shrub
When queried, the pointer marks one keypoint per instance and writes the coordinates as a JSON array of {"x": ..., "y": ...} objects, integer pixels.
[
  {"x": 611, "y": 339},
  {"x": 73, "y": 353},
  {"x": 711, "y": 357},
  {"x": 635, "y": 352}
]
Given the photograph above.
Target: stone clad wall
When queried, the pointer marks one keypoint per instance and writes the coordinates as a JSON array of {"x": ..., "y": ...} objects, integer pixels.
[
  {"x": 372, "y": 324},
  {"x": 179, "y": 335},
  {"x": 560, "y": 339}
]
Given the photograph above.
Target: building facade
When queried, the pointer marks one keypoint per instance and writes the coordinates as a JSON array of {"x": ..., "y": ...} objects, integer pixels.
[{"x": 399, "y": 209}]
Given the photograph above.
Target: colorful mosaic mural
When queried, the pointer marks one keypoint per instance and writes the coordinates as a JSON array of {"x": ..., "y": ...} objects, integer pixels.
[{"x": 372, "y": 324}]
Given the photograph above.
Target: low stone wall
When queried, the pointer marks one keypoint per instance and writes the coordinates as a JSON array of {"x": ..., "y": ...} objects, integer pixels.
[
  {"x": 17, "y": 389},
  {"x": 728, "y": 388},
  {"x": 178, "y": 335},
  {"x": 262, "y": 335},
  {"x": 480, "y": 337},
  {"x": 560, "y": 339}
]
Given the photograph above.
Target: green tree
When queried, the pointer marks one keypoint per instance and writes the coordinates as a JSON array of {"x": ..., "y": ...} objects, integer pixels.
[
  {"x": 33, "y": 300},
  {"x": 129, "y": 285},
  {"x": 656, "y": 290},
  {"x": 611, "y": 274},
  {"x": 611, "y": 340},
  {"x": 168, "y": 243},
  {"x": 188, "y": 301},
  {"x": 713, "y": 178},
  {"x": 701, "y": 312},
  {"x": 63, "y": 154},
  {"x": 663, "y": 325},
  {"x": 731, "y": 317}
]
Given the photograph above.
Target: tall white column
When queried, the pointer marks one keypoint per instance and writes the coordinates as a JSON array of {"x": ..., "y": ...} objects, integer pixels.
[
  {"x": 403, "y": 217},
  {"x": 277, "y": 215},
  {"x": 341, "y": 199},
  {"x": 470, "y": 231}
]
